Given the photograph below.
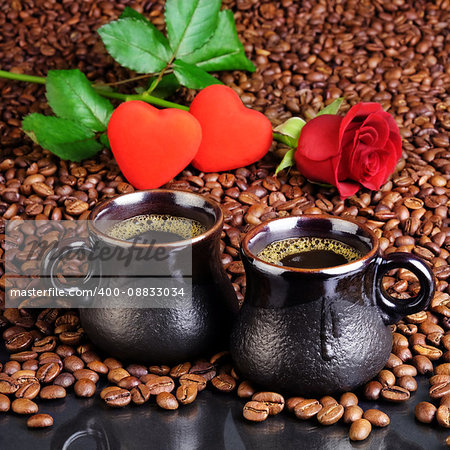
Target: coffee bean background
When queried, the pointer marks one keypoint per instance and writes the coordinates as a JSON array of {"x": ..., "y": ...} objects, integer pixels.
[{"x": 307, "y": 54}]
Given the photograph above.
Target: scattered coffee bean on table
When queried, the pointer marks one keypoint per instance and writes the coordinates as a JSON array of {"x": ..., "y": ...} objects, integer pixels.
[{"x": 40, "y": 421}]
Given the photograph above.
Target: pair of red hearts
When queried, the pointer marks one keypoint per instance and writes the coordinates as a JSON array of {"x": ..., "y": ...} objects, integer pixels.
[{"x": 152, "y": 146}]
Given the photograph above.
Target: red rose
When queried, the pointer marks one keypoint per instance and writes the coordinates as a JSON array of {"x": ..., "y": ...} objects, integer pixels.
[{"x": 361, "y": 148}]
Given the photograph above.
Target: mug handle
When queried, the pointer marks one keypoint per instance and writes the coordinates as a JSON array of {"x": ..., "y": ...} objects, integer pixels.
[
  {"x": 394, "y": 309},
  {"x": 53, "y": 257}
]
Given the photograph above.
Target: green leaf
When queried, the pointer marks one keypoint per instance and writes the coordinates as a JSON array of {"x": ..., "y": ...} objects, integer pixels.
[
  {"x": 136, "y": 44},
  {"x": 105, "y": 141},
  {"x": 224, "y": 51},
  {"x": 190, "y": 23},
  {"x": 130, "y": 13},
  {"x": 332, "y": 108},
  {"x": 166, "y": 87},
  {"x": 71, "y": 96},
  {"x": 193, "y": 77},
  {"x": 292, "y": 128},
  {"x": 64, "y": 138},
  {"x": 287, "y": 161}
]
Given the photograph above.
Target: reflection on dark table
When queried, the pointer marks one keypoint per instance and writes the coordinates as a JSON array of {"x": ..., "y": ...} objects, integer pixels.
[{"x": 213, "y": 421}]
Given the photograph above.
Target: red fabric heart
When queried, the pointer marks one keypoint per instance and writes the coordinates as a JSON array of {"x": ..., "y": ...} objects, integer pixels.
[
  {"x": 233, "y": 135},
  {"x": 151, "y": 146}
]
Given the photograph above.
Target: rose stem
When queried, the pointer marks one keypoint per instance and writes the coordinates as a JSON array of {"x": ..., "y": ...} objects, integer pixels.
[{"x": 125, "y": 97}]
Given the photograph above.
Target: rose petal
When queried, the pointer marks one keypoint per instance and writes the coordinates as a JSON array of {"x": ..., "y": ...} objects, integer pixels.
[
  {"x": 319, "y": 171},
  {"x": 347, "y": 188},
  {"x": 319, "y": 139}
]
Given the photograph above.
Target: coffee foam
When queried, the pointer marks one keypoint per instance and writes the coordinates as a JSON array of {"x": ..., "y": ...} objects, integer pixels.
[
  {"x": 133, "y": 227},
  {"x": 278, "y": 250}
]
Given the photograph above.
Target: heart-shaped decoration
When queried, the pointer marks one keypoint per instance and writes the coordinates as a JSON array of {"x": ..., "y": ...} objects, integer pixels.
[
  {"x": 233, "y": 135},
  {"x": 151, "y": 146}
]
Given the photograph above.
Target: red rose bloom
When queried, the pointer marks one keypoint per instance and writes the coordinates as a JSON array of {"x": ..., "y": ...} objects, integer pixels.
[{"x": 361, "y": 148}]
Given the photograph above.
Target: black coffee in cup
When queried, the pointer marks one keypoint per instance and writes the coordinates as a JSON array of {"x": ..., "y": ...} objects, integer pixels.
[
  {"x": 156, "y": 228},
  {"x": 309, "y": 252}
]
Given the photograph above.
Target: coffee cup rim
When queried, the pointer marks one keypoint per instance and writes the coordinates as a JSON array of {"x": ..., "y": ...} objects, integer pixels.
[
  {"x": 332, "y": 270},
  {"x": 217, "y": 225}
]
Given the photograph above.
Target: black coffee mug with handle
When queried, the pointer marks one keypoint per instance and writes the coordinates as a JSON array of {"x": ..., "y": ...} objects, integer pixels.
[
  {"x": 319, "y": 331},
  {"x": 163, "y": 330}
]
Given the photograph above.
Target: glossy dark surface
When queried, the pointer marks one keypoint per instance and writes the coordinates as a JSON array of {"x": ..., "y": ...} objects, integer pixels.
[
  {"x": 319, "y": 331},
  {"x": 213, "y": 421}
]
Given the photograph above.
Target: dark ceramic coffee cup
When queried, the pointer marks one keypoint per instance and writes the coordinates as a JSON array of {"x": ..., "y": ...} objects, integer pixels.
[
  {"x": 319, "y": 331},
  {"x": 121, "y": 324}
]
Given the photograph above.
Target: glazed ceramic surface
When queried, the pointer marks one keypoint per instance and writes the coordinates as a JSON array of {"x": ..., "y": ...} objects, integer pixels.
[
  {"x": 319, "y": 331},
  {"x": 161, "y": 335}
]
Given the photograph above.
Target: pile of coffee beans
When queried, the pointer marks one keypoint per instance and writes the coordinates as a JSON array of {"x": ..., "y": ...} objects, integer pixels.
[{"x": 307, "y": 54}]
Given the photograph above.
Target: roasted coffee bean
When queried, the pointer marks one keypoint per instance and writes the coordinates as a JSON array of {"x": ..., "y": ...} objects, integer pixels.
[
  {"x": 186, "y": 393},
  {"x": 23, "y": 356},
  {"x": 442, "y": 416},
  {"x": 166, "y": 400},
  {"x": 198, "y": 380},
  {"x": 438, "y": 379},
  {"x": 19, "y": 342},
  {"x": 24, "y": 406},
  {"x": 73, "y": 363},
  {"x": 86, "y": 374},
  {"x": 136, "y": 370},
  {"x": 422, "y": 364},
  {"x": 256, "y": 411},
  {"x": 386, "y": 378},
  {"x": 112, "y": 363},
  {"x": 160, "y": 384},
  {"x": 395, "y": 394},
  {"x": 245, "y": 390},
  {"x": 24, "y": 376},
  {"x": 352, "y": 413},
  {"x": 32, "y": 364},
  {"x": 40, "y": 421},
  {"x": 429, "y": 351},
  {"x": 52, "y": 392},
  {"x": 5, "y": 403},
  {"x": 439, "y": 390},
  {"x": 159, "y": 370},
  {"x": 442, "y": 369},
  {"x": 64, "y": 379},
  {"x": 140, "y": 394},
  {"x": 425, "y": 412},
  {"x": 274, "y": 401},
  {"x": 348, "y": 399},
  {"x": 330, "y": 414},
  {"x": 372, "y": 390},
  {"x": 47, "y": 344},
  {"x": 128, "y": 382},
  {"x": 115, "y": 375},
  {"x": 180, "y": 370},
  {"x": 64, "y": 351},
  {"x": 307, "y": 409},
  {"x": 99, "y": 367},
  {"x": 393, "y": 361},
  {"x": 8, "y": 385},
  {"x": 408, "y": 382},
  {"x": 224, "y": 382},
  {"x": 405, "y": 369},
  {"x": 28, "y": 390},
  {"x": 327, "y": 400},
  {"x": 48, "y": 372},
  {"x": 205, "y": 369},
  {"x": 445, "y": 400},
  {"x": 147, "y": 378},
  {"x": 11, "y": 367},
  {"x": 117, "y": 397},
  {"x": 292, "y": 402},
  {"x": 377, "y": 418},
  {"x": 85, "y": 388},
  {"x": 360, "y": 430}
]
